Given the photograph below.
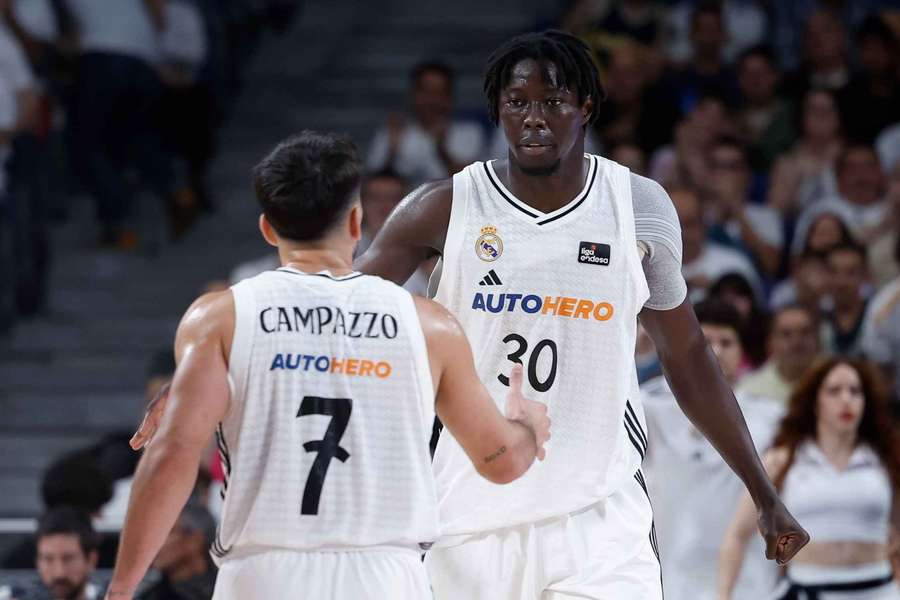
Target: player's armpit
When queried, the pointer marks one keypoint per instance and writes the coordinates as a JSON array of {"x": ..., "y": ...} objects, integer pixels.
[
  {"x": 413, "y": 233},
  {"x": 501, "y": 448}
]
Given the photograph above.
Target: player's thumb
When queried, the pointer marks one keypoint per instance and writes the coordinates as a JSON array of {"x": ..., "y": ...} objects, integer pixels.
[{"x": 514, "y": 397}]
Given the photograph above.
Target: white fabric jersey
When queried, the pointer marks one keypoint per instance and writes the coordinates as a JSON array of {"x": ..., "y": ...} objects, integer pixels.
[
  {"x": 695, "y": 494},
  {"x": 560, "y": 293},
  {"x": 325, "y": 444},
  {"x": 851, "y": 505}
]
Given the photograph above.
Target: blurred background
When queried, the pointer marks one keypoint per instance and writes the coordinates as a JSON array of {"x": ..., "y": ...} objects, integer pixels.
[{"x": 128, "y": 130}]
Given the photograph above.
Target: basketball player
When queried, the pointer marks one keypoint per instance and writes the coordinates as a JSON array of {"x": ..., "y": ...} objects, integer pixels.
[
  {"x": 321, "y": 385},
  {"x": 549, "y": 257}
]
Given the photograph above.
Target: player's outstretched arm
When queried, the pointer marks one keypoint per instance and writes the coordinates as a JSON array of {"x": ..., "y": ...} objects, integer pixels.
[
  {"x": 501, "y": 448},
  {"x": 743, "y": 524},
  {"x": 413, "y": 233},
  {"x": 703, "y": 394},
  {"x": 198, "y": 400}
]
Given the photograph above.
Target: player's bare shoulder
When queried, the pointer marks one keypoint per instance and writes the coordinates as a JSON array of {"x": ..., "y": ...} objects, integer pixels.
[
  {"x": 438, "y": 323},
  {"x": 209, "y": 317},
  {"x": 425, "y": 212}
]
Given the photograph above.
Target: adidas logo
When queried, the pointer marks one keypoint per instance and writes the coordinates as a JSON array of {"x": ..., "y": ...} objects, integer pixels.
[{"x": 490, "y": 279}]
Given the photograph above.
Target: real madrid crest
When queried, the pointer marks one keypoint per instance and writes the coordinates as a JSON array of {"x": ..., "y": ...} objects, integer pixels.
[{"x": 489, "y": 246}]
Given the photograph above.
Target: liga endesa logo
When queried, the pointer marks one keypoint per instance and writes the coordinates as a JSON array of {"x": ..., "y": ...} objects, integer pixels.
[{"x": 554, "y": 306}]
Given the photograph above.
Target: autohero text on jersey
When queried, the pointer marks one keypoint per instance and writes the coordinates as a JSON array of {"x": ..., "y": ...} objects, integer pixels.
[
  {"x": 358, "y": 367},
  {"x": 558, "y": 306},
  {"x": 328, "y": 320}
]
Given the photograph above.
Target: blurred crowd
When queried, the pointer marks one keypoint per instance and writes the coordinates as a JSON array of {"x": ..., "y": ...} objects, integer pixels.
[
  {"x": 117, "y": 100},
  {"x": 774, "y": 127}
]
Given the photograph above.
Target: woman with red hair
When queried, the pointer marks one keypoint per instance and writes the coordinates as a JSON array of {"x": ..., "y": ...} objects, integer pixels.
[{"x": 836, "y": 463}]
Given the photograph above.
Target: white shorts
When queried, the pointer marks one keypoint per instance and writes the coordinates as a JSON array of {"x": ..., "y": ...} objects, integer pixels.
[
  {"x": 360, "y": 575},
  {"x": 810, "y": 575},
  {"x": 604, "y": 552}
]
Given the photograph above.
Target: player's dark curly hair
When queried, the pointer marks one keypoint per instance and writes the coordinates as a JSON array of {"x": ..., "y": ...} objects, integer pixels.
[
  {"x": 307, "y": 182},
  {"x": 573, "y": 59}
]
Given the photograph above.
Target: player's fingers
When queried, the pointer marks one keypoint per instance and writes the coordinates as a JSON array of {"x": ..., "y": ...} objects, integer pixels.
[
  {"x": 541, "y": 453},
  {"x": 515, "y": 380},
  {"x": 789, "y": 545}
]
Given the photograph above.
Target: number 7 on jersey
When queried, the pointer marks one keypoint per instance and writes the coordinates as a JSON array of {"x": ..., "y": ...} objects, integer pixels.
[{"x": 327, "y": 448}]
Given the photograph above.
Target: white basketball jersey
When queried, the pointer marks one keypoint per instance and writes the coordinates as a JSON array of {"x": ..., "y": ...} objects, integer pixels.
[
  {"x": 558, "y": 292},
  {"x": 325, "y": 444}
]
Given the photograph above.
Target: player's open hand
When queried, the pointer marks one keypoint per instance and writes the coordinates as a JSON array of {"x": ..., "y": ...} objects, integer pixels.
[
  {"x": 155, "y": 411},
  {"x": 532, "y": 414},
  {"x": 783, "y": 534}
]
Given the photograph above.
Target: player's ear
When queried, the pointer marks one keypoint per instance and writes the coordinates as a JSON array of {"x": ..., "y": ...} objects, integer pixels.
[
  {"x": 587, "y": 110},
  {"x": 355, "y": 220},
  {"x": 268, "y": 232}
]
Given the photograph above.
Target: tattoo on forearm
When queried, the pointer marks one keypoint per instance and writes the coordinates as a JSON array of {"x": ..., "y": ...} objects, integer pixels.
[{"x": 495, "y": 455}]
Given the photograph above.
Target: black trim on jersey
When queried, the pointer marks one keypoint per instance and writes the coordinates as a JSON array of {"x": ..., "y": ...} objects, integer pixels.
[
  {"x": 587, "y": 192},
  {"x": 502, "y": 193},
  {"x": 634, "y": 441},
  {"x": 325, "y": 275},
  {"x": 654, "y": 543},
  {"x": 636, "y": 423}
]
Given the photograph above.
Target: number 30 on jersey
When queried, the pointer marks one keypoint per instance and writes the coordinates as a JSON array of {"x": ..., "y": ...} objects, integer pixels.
[{"x": 532, "y": 368}]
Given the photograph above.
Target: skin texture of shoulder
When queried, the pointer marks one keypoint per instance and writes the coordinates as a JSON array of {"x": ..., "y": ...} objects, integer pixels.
[{"x": 413, "y": 233}]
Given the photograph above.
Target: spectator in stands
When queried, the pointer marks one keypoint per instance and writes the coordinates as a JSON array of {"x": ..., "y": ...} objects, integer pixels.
[
  {"x": 117, "y": 91},
  {"x": 683, "y": 469},
  {"x": 871, "y": 101},
  {"x": 881, "y": 331},
  {"x": 825, "y": 64},
  {"x": 735, "y": 290},
  {"x": 638, "y": 21},
  {"x": 707, "y": 71},
  {"x": 744, "y": 20},
  {"x": 883, "y": 239},
  {"x": 807, "y": 285},
  {"x": 793, "y": 345},
  {"x": 847, "y": 275},
  {"x": 754, "y": 229},
  {"x": 764, "y": 119},
  {"x": 805, "y": 174},
  {"x": 826, "y": 230},
  {"x": 189, "y": 111},
  {"x": 184, "y": 562},
  {"x": 429, "y": 143},
  {"x": 860, "y": 200},
  {"x": 633, "y": 111},
  {"x": 66, "y": 556},
  {"x": 704, "y": 262},
  {"x": 629, "y": 155},
  {"x": 683, "y": 163},
  {"x": 836, "y": 463}
]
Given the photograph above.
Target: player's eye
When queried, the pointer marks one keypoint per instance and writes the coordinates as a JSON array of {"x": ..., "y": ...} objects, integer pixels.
[
  {"x": 555, "y": 102},
  {"x": 515, "y": 103}
]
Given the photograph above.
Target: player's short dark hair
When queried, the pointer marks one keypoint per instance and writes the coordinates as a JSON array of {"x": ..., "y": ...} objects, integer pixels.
[
  {"x": 432, "y": 66},
  {"x": 721, "y": 314},
  {"x": 849, "y": 246},
  {"x": 306, "y": 183},
  {"x": 68, "y": 520},
  {"x": 573, "y": 59},
  {"x": 76, "y": 480}
]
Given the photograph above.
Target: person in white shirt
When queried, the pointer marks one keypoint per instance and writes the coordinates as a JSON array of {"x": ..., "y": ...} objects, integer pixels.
[
  {"x": 835, "y": 461},
  {"x": 118, "y": 88},
  {"x": 684, "y": 471},
  {"x": 429, "y": 143},
  {"x": 706, "y": 262},
  {"x": 860, "y": 201}
]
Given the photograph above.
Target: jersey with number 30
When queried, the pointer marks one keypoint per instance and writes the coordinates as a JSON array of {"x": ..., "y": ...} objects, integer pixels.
[
  {"x": 558, "y": 292},
  {"x": 325, "y": 444}
]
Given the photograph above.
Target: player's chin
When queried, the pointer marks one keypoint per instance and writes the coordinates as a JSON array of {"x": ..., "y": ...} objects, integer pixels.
[{"x": 535, "y": 162}]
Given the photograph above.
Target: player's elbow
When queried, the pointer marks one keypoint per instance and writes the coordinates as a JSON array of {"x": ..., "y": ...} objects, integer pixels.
[{"x": 505, "y": 468}]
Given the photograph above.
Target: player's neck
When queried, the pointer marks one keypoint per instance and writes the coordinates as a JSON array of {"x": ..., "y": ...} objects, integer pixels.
[
  {"x": 548, "y": 192},
  {"x": 312, "y": 258}
]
